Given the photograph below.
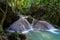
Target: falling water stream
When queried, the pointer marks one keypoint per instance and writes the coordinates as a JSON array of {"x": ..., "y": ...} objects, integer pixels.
[{"x": 43, "y": 28}]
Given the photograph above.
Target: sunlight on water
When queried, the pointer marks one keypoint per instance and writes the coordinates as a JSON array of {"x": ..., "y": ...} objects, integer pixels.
[{"x": 43, "y": 35}]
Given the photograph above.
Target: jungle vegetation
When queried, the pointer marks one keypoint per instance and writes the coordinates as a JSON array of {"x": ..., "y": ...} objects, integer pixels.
[{"x": 48, "y": 10}]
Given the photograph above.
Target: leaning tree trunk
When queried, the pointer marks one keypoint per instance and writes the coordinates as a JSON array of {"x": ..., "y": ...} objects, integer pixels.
[{"x": 4, "y": 16}]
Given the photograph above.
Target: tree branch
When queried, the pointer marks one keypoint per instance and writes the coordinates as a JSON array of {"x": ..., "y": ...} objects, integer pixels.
[{"x": 4, "y": 16}]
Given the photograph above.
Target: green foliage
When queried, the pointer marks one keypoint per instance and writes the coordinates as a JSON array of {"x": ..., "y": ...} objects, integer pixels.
[
  {"x": 46, "y": 9},
  {"x": 20, "y": 5},
  {"x": 2, "y": 0},
  {"x": 14, "y": 36},
  {"x": 1, "y": 29},
  {"x": 49, "y": 8}
]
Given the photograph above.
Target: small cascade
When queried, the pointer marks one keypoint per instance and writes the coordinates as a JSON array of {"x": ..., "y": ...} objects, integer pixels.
[
  {"x": 29, "y": 25},
  {"x": 43, "y": 26},
  {"x": 22, "y": 25}
]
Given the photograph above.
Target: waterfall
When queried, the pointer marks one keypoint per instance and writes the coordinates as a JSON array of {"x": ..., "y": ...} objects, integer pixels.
[
  {"x": 44, "y": 26},
  {"x": 22, "y": 25}
]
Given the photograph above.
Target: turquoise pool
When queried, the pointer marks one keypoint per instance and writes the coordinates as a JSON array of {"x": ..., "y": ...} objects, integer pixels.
[{"x": 43, "y": 35}]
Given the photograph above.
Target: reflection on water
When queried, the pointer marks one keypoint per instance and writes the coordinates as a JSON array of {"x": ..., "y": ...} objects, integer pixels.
[{"x": 43, "y": 35}]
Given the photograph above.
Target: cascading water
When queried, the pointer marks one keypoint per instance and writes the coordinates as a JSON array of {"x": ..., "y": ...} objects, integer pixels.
[
  {"x": 22, "y": 25},
  {"x": 44, "y": 26}
]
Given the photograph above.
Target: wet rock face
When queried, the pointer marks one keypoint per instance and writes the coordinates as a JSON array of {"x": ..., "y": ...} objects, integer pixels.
[{"x": 29, "y": 20}]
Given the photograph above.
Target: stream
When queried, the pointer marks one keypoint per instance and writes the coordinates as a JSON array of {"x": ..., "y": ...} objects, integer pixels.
[
  {"x": 37, "y": 30},
  {"x": 43, "y": 35}
]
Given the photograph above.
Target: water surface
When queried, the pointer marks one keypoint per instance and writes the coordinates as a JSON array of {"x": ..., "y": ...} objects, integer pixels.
[{"x": 43, "y": 35}]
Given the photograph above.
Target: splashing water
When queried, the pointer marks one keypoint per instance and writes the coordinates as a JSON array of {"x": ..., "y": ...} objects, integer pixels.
[
  {"x": 23, "y": 26},
  {"x": 44, "y": 26}
]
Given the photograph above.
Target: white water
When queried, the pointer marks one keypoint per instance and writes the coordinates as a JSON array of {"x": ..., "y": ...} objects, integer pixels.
[{"x": 23, "y": 26}]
